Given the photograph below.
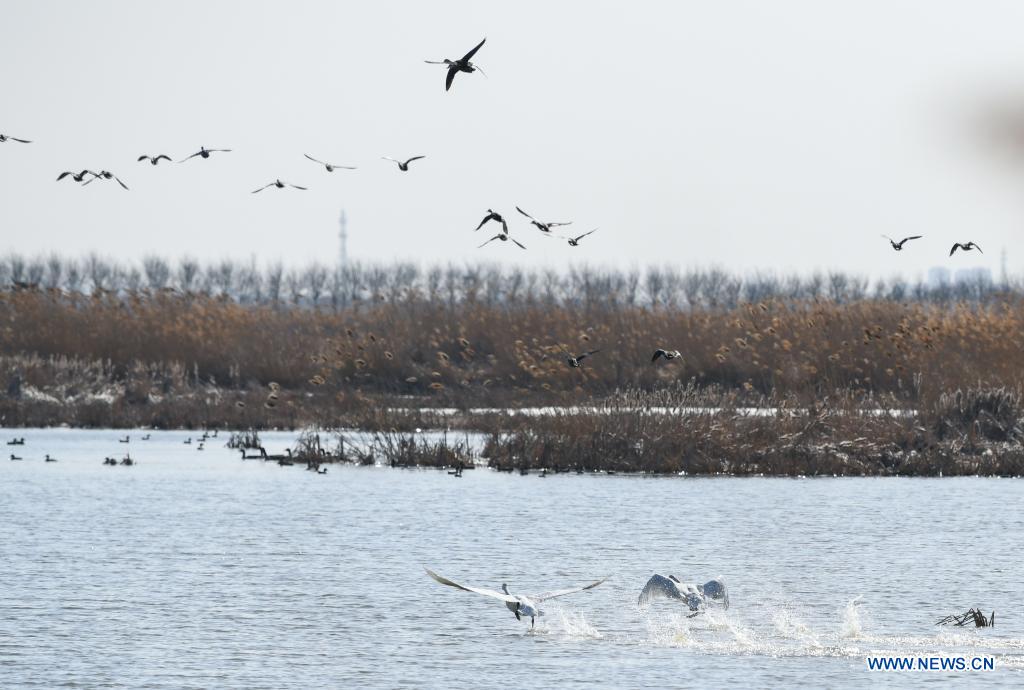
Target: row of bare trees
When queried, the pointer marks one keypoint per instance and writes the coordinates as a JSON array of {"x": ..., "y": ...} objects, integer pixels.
[{"x": 322, "y": 287}]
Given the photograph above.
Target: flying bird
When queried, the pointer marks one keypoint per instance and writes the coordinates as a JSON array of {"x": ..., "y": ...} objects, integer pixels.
[
  {"x": 404, "y": 167},
  {"x": 519, "y": 604},
  {"x": 543, "y": 227},
  {"x": 4, "y": 138},
  {"x": 77, "y": 177},
  {"x": 504, "y": 237},
  {"x": 696, "y": 597},
  {"x": 204, "y": 153},
  {"x": 575, "y": 241},
  {"x": 154, "y": 159},
  {"x": 279, "y": 184},
  {"x": 496, "y": 217},
  {"x": 667, "y": 354},
  {"x": 898, "y": 246},
  {"x": 331, "y": 167},
  {"x": 105, "y": 175},
  {"x": 577, "y": 361},
  {"x": 463, "y": 64},
  {"x": 966, "y": 247}
]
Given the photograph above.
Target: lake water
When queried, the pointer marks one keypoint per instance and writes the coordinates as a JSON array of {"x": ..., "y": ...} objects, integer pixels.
[{"x": 199, "y": 570}]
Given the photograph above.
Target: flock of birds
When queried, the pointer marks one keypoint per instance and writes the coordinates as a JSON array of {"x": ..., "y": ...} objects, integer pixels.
[
  {"x": 127, "y": 460},
  {"x": 696, "y": 597},
  {"x": 463, "y": 64}
]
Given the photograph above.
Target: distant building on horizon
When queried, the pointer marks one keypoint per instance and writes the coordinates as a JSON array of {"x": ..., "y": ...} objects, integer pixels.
[{"x": 941, "y": 275}]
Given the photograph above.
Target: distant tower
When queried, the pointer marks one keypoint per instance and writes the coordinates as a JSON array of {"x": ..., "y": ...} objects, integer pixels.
[{"x": 343, "y": 236}]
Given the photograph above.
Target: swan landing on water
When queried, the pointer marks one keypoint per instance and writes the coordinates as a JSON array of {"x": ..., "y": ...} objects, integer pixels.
[
  {"x": 697, "y": 597},
  {"x": 519, "y": 604}
]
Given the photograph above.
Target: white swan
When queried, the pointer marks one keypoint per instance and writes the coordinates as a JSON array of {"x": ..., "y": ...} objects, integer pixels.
[
  {"x": 519, "y": 604},
  {"x": 696, "y": 597}
]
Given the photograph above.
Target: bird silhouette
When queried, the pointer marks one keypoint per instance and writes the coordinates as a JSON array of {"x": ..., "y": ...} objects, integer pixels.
[
  {"x": 966, "y": 247},
  {"x": 575, "y": 241},
  {"x": 154, "y": 159},
  {"x": 463, "y": 64},
  {"x": 204, "y": 152},
  {"x": 504, "y": 237},
  {"x": 331, "y": 167},
  {"x": 898, "y": 246},
  {"x": 496, "y": 217},
  {"x": 543, "y": 227},
  {"x": 577, "y": 361},
  {"x": 105, "y": 175},
  {"x": 279, "y": 185},
  {"x": 403, "y": 166},
  {"x": 667, "y": 354},
  {"x": 77, "y": 177},
  {"x": 4, "y": 138}
]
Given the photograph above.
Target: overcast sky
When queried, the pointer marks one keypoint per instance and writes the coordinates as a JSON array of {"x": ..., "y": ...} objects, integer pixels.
[{"x": 782, "y": 135}]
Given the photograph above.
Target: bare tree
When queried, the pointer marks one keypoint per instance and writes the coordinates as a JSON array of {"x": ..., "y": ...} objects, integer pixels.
[
  {"x": 188, "y": 270},
  {"x": 315, "y": 278},
  {"x": 100, "y": 273},
  {"x": 54, "y": 271},
  {"x": 275, "y": 282},
  {"x": 158, "y": 273}
]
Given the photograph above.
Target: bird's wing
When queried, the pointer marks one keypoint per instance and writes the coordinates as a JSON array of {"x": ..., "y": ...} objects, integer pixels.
[
  {"x": 593, "y": 352},
  {"x": 913, "y": 237},
  {"x": 525, "y": 213},
  {"x": 452, "y": 69},
  {"x": 220, "y": 150},
  {"x": 470, "y": 54},
  {"x": 21, "y": 141},
  {"x": 296, "y": 186},
  {"x": 120, "y": 182},
  {"x": 491, "y": 240},
  {"x": 263, "y": 187},
  {"x": 955, "y": 245},
  {"x": 164, "y": 156},
  {"x": 313, "y": 159},
  {"x": 978, "y": 248},
  {"x": 414, "y": 158},
  {"x": 435, "y": 62},
  {"x": 577, "y": 239},
  {"x": 657, "y": 353},
  {"x": 63, "y": 175},
  {"x": 658, "y": 586},
  {"x": 190, "y": 157},
  {"x": 479, "y": 590},
  {"x": 521, "y": 246},
  {"x": 482, "y": 223},
  {"x": 142, "y": 158},
  {"x": 716, "y": 589},
  {"x": 346, "y": 167},
  {"x": 389, "y": 158},
  {"x": 562, "y": 592},
  {"x": 558, "y": 225}
]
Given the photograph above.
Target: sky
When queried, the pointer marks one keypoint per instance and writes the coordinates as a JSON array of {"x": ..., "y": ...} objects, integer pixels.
[{"x": 751, "y": 136}]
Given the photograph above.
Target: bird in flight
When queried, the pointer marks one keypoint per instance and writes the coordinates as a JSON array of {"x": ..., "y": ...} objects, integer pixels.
[
  {"x": 496, "y": 217},
  {"x": 575, "y": 241},
  {"x": 404, "y": 167},
  {"x": 154, "y": 159},
  {"x": 669, "y": 355},
  {"x": 966, "y": 247},
  {"x": 105, "y": 175},
  {"x": 4, "y": 138},
  {"x": 204, "y": 153},
  {"x": 898, "y": 246},
  {"x": 696, "y": 596},
  {"x": 577, "y": 361},
  {"x": 77, "y": 177},
  {"x": 543, "y": 227},
  {"x": 504, "y": 237},
  {"x": 280, "y": 185},
  {"x": 463, "y": 64},
  {"x": 519, "y": 604},
  {"x": 331, "y": 167}
]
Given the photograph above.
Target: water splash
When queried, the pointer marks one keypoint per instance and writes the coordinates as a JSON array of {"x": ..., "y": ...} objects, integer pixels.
[{"x": 851, "y": 624}]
